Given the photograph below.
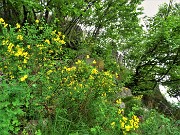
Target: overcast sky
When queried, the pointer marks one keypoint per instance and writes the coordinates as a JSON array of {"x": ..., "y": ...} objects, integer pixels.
[{"x": 151, "y": 6}]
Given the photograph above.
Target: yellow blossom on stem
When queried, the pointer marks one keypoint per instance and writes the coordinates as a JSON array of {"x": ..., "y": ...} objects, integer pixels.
[
  {"x": 47, "y": 41},
  {"x": 127, "y": 128},
  {"x": 20, "y": 37},
  {"x": 94, "y": 62},
  {"x": 94, "y": 71},
  {"x": 87, "y": 56},
  {"x": 118, "y": 101},
  {"x": 37, "y": 21},
  {"x": 18, "y": 25},
  {"x": 5, "y": 25},
  {"x": 24, "y": 78},
  {"x": 1, "y": 20}
]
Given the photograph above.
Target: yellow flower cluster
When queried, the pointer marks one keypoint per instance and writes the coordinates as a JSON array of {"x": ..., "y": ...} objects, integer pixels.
[
  {"x": 59, "y": 38},
  {"x": 139, "y": 97},
  {"x": 94, "y": 71},
  {"x": 3, "y": 22},
  {"x": 20, "y": 37},
  {"x": 24, "y": 78},
  {"x": 129, "y": 124},
  {"x": 18, "y": 26},
  {"x": 15, "y": 50}
]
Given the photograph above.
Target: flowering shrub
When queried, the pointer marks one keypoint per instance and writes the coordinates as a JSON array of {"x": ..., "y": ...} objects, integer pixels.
[{"x": 44, "y": 86}]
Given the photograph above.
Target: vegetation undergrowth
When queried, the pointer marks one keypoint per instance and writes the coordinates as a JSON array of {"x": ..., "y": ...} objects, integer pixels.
[{"x": 41, "y": 93}]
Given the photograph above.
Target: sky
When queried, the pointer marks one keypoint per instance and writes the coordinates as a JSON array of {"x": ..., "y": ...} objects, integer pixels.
[
  {"x": 150, "y": 9},
  {"x": 151, "y": 6}
]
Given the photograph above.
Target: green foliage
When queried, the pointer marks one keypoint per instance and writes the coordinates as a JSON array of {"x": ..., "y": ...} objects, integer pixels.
[
  {"x": 14, "y": 99},
  {"x": 47, "y": 88},
  {"x": 157, "y": 124},
  {"x": 44, "y": 91}
]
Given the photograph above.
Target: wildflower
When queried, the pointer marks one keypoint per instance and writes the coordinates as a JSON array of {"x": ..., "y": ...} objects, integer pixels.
[
  {"x": 113, "y": 124},
  {"x": 94, "y": 71},
  {"x": 28, "y": 46},
  {"x": 19, "y": 51},
  {"x": 10, "y": 46},
  {"x": 53, "y": 32},
  {"x": 18, "y": 25},
  {"x": 120, "y": 111},
  {"x": 11, "y": 76},
  {"x": 127, "y": 128},
  {"x": 78, "y": 62},
  {"x": 62, "y": 41},
  {"x": 47, "y": 41},
  {"x": 20, "y": 37},
  {"x": 63, "y": 36},
  {"x": 25, "y": 54},
  {"x": 24, "y": 78},
  {"x": 118, "y": 101},
  {"x": 5, "y": 25},
  {"x": 135, "y": 118},
  {"x": 59, "y": 33},
  {"x": 122, "y": 124},
  {"x": 94, "y": 62},
  {"x": 25, "y": 61},
  {"x": 37, "y": 21},
  {"x": 124, "y": 119},
  {"x": 136, "y": 125},
  {"x": 1, "y": 20},
  {"x": 4, "y": 42},
  {"x": 87, "y": 56}
]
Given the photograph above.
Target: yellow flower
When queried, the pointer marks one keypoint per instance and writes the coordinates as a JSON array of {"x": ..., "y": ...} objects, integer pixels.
[
  {"x": 124, "y": 119},
  {"x": 25, "y": 61},
  {"x": 63, "y": 36},
  {"x": 136, "y": 125},
  {"x": 62, "y": 41},
  {"x": 10, "y": 46},
  {"x": 53, "y": 32},
  {"x": 18, "y": 25},
  {"x": 118, "y": 101},
  {"x": 47, "y": 41},
  {"x": 78, "y": 62},
  {"x": 36, "y": 21},
  {"x": 59, "y": 33},
  {"x": 19, "y": 51},
  {"x": 122, "y": 124},
  {"x": 94, "y": 62},
  {"x": 120, "y": 111},
  {"x": 127, "y": 128},
  {"x": 87, "y": 56},
  {"x": 20, "y": 37},
  {"x": 94, "y": 71},
  {"x": 4, "y": 42},
  {"x": 28, "y": 46},
  {"x": 135, "y": 118},
  {"x": 5, "y": 25},
  {"x": 1, "y": 20},
  {"x": 24, "y": 78},
  {"x": 113, "y": 124}
]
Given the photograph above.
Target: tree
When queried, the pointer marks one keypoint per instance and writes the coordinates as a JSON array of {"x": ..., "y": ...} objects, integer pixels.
[{"x": 156, "y": 59}]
